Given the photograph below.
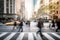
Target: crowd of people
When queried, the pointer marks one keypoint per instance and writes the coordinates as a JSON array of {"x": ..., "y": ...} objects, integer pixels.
[
  {"x": 39, "y": 25},
  {"x": 20, "y": 28},
  {"x": 55, "y": 23}
]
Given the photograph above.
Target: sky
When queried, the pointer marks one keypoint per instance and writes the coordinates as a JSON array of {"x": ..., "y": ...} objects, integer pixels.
[
  {"x": 34, "y": 1},
  {"x": 29, "y": 6},
  {"x": 36, "y": 5}
]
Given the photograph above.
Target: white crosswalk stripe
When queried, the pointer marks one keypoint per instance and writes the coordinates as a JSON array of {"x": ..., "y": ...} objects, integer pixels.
[
  {"x": 30, "y": 36},
  {"x": 48, "y": 36},
  {"x": 20, "y": 36},
  {"x": 58, "y": 36},
  {"x": 37, "y": 36},
  {"x": 3, "y": 34},
  {"x": 10, "y": 36}
]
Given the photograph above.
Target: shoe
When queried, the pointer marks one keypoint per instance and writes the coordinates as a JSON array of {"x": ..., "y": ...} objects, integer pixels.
[
  {"x": 41, "y": 35},
  {"x": 56, "y": 30}
]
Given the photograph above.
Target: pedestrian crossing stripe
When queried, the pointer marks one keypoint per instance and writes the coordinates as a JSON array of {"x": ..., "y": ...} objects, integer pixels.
[
  {"x": 20, "y": 36},
  {"x": 48, "y": 36},
  {"x": 56, "y": 35},
  {"x": 30, "y": 36},
  {"x": 10, "y": 36},
  {"x": 3, "y": 34},
  {"x": 37, "y": 37}
]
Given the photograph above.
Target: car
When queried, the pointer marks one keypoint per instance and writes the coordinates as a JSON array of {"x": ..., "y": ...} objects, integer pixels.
[{"x": 11, "y": 23}]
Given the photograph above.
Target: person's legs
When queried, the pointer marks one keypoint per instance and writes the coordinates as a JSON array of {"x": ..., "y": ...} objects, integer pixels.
[
  {"x": 49, "y": 25},
  {"x": 38, "y": 31},
  {"x": 19, "y": 29},
  {"x": 41, "y": 32},
  {"x": 13, "y": 28},
  {"x": 57, "y": 29}
]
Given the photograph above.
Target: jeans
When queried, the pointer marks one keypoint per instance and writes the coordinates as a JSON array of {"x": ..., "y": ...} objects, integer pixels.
[
  {"x": 14, "y": 27},
  {"x": 40, "y": 32},
  {"x": 20, "y": 28}
]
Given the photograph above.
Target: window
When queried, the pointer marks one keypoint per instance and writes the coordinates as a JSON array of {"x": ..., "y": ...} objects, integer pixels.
[
  {"x": 10, "y": 6},
  {"x": 10, "y": 9},
  {"x": 7, "y": 3},
  {"x": 57, "y": 12},
  {"x": 57, "y": 2},
  {"x": 7, "y": 10},
  {"x": 50, "y": 6},
  {"x": 10, "y": 1},
  {"x": 7, "y": 0}
]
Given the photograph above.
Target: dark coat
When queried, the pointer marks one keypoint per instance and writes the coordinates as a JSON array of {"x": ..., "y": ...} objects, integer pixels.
[
  {"x": 58, "y": 24},
  {"x": 15, "y": 24},
  {"x": 21, "y": 24},
  {"x": 53, "y": 23},
  {"x": 40, "y": 24}
]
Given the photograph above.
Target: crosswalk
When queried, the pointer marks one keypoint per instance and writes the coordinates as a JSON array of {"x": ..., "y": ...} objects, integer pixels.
[{"x": 29, "y": 36}]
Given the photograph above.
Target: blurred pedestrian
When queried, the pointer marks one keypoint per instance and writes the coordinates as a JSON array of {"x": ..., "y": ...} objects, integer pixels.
[
  {"x": 53, "y": 23},
  {"x": 15, "y": 24},
  {"x": 28, "y": 23},
  {"x": 40, "y": 25},
  {"x": 58, "y": 24},
  {"x": 49, "y": 23},
  {"x": 20, "y": 26}
]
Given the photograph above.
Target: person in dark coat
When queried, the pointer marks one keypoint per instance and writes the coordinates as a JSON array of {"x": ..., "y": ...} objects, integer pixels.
[
  {"x": 20, "y": 26},
  {"x": 40, "y": 25},
  {"x": 28, "y": 23},
  {"x": 58, "y": 24},
  {"x": 14, "y": 25},
  {"x": 53, "y": 23}
]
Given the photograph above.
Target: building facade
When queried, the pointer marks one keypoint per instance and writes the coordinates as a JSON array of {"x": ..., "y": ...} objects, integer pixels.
[
  {"x": 1, "y": 6},
  {"x": 9, "y": 6},
  {"x": 7, "y": 9},
  {"x": 58, "y": 9},
  {"x": 1, "y": 9},
  {"x": 54, "y": 6}
]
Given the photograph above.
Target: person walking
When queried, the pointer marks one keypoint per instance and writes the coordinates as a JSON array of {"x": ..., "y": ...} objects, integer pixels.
[
  {"x": 53, "y": 23},
  {"x": 15, "y": 24},
  {"x": 58, "y": 24},
  {"x": 20, "y": 26},
  {"x": 40, "y": 25},
  {"x": 49, "y": 23}
]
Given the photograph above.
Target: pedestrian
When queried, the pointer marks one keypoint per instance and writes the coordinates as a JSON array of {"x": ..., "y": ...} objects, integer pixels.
[
  {"x": 20, "y": 26},
  {"x": 15, "y": 24},
  {"x": 40, "y": 25},
  {"x": 49, "y": 23},
  {"x": 58, "y": 24},
  {"x": 29, "y": 23},
  {"x": 53, "y": 23}
]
